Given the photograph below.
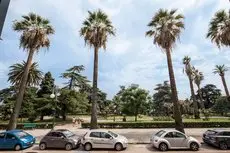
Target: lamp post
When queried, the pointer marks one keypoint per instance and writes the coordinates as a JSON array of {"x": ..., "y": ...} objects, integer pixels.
[{"x": 55, "y": 94}]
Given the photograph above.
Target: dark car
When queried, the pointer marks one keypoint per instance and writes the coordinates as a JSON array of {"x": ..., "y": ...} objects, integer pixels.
[
  {"x": 16, "y": 139},
  {"x": 218, "y": 137},
  {"x": 60, "y": 139}
]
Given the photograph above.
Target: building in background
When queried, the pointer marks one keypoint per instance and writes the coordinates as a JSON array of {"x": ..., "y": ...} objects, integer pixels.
[{"x": 4, "y": 4}]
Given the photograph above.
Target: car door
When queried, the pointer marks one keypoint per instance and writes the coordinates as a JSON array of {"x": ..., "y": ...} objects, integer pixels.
[
  {"x": 55, "y": 140},
  {"x": 95, "y": 139},
  {"x": 170, "y": 139},
  {"x": 10, "y": 141},
  {"x": 107, "y": 140},
  {"x": 180, "y": 140},
  {"x": 2, "y": 138},
  {"x": 226, "y": 134}
]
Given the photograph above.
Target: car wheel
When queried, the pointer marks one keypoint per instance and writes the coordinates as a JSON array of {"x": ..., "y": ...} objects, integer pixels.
[
  {"x": 163, "y": 147},
  {"x": 223, "y": 146},
  {"x": 194, "y": 146},
  {"x": 118, "y": 147},
  {"x": 42, "y": 146},
  {"x": 88, "y": 146},
  {"x": 17, "y": 147},
  {"x": 68, "y": 146}
]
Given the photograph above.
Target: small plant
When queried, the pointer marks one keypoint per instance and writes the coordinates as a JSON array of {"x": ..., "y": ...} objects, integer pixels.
[{"x": 162, "y": 118}]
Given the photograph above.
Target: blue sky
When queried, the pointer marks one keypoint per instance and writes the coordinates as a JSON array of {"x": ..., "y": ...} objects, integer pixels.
[{"x": 130, "y": 56}]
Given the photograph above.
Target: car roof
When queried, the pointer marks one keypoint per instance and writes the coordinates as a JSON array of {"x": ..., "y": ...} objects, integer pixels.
[
  {"x": 170, "y": 130},
  {"x": 219, "y": 130},
  {"x": 11, "y": 131},
  {"x": 98, "y": 130}
]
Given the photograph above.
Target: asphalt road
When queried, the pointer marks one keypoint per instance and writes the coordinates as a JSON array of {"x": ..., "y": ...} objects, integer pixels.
[{"x": 142, "y": 148}]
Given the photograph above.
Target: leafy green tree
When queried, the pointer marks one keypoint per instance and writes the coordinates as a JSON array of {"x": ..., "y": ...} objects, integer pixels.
[
  {"x": 134, "y": 100},
  {"x": 222, "y": 106},
  {"x": 219, "y": 29},
  {"x": 35, "y": 31},
  {"x": 44, "y": 103},
  {"x": 188, "y": 69},
  {"x": 76, "y": 80},
  {"x": 16, "y": 74},
  {"x": 71, "y": 101},
  {"x": 221, "y": 69},
  {"x": 165, "y": 29},
  {"x": 210, "y": 94},
  {"x": 95, "y": 31},
  {"x": 161, "y": 98}
]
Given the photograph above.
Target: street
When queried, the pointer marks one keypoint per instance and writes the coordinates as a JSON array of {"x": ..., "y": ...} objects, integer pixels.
[{"x": 139, "y": 148}]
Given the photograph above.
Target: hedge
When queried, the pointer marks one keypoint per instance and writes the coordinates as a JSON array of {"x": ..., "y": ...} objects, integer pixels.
[
  {"x": 160, "y": 124},
  {"x": 3, "y": 126}
]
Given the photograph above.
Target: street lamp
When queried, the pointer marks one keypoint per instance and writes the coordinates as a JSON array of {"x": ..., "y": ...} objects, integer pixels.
[{"x": 55, "y": 94}]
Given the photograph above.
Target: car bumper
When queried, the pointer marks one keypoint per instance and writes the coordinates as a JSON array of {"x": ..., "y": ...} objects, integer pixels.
[
  {"x": 125, "y": 145},
  {"x": 28, "y": 144},
  {"x": 77, "y": 144}
]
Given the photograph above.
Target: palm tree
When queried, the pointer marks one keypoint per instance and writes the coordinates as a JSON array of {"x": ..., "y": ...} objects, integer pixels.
[
  {"x": 34, "y": 35},
  {"x": 16, "y": 74},
  {"x": 198, "y": 78},
  {"x": 165, "y": 28},
  {"x": 189, "y": 72},
  {"x": 76, "y": 79},
  {"x": 219, "y": 29},
  {"x": 95, "y": 31},
  {"x": 221, "y": 69}
]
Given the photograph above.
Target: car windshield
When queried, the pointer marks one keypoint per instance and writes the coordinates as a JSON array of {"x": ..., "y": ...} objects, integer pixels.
[
  {"x": 68, "y": 134},
  {"x": 113, "y": 134},
  {"x": 211, "y": 132},
  {"x": 160, "y": 133},
  {"x": 21, "y": 134}
]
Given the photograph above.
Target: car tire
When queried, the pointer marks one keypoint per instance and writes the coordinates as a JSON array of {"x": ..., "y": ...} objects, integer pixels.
[
  {"x": 17, "y": 147},
  {"x": 68, "y": 146},
  {"x": 163, "y": 146},
  {"x": 88, "y": 146},
  {"x": 223, "y": 146},
  {"x": 118, "y": 147},
  {"x": 194, "y": 146},
  {"x": 42, "y": 146}
]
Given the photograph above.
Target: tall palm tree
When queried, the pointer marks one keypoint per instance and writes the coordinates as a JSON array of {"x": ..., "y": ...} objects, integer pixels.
[
  {"x": 34, "y": 35},
  {"x": 95, "y": 31},
  {"x": 198, "y": 78},
  {"x": 16, "y": 74},
  {"x": 165, "y": 28},
  {"x": 221, "y": 69},
  {"x": 76, "y": 79},
  {"x": 219, "y": 29},
  {"x": 189, "y": 72}
]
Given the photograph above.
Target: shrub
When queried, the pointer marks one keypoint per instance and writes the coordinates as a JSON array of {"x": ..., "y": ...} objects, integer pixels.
[
  {"x": 163, "y": 118},
  {"x": 160, "y": 124}
]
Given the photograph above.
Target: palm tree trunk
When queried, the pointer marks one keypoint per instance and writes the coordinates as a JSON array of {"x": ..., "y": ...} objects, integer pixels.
[
  {"x": 13, "y": 119},
  {"x": 94, "y": 94},
  {"x": 201, "y": 99},
  {"x": 225, "y": 85},
  {"x": 177, "y": 113},
  {"x": 195, "y": 105}
]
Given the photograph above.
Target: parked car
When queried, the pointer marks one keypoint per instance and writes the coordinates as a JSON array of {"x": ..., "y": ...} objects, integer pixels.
[
  {"x": 104, "y": 139},
  {"x": 173, "y": 139},
  {"x": 16, "y": 140},
  {"x": 217, "y": 137},
  {"x": 60, "y": 139}
]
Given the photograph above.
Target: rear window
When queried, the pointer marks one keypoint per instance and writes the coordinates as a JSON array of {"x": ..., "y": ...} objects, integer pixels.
[
  {"x": 211, "y": 132},
  {"x": 160, "y": 133}
]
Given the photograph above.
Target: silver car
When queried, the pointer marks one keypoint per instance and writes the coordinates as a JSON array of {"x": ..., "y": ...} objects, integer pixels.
[
  {"x": 173, "y": 139},
  {"x": 104, "y": 139}
]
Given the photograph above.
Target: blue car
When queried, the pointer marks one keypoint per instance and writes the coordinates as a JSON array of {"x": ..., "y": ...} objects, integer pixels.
[{"x": 16, "y": 140}]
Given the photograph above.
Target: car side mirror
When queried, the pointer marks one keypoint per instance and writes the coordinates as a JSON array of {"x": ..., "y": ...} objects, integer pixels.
[
  {"x": 111, "y": 138},
  {"x": 62, "y": 137},
  {"x": 13, "y": 138}
]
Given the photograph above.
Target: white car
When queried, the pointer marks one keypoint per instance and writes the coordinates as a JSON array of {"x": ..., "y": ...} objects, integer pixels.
[
  {"x": 173, "y": 139},
  {"x": 103, "y": 139}
]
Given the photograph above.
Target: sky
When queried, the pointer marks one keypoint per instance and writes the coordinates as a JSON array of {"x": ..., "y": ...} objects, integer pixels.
[{"x": 130, "y": 56}]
